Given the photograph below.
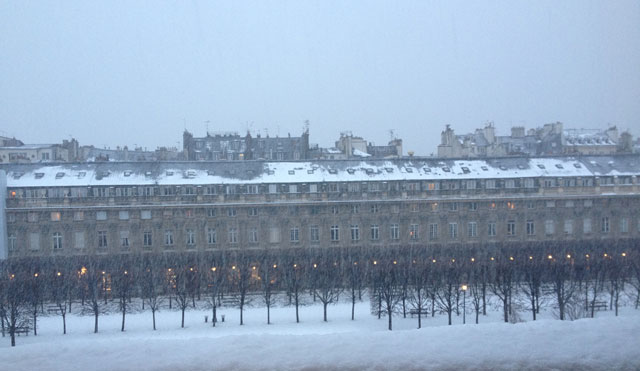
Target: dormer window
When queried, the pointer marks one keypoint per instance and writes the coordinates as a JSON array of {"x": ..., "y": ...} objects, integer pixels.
[
  {"x": 59, "y": 175},
  {"x": 127, "y": 173},
  {"x": 39, "y": 175}
]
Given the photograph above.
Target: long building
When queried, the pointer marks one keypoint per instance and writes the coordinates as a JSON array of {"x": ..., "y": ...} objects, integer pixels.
[{"x": 122, "y": 208}]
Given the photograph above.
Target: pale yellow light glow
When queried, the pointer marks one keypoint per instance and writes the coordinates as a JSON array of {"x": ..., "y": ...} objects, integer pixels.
[{"x": 464, "y": 287}]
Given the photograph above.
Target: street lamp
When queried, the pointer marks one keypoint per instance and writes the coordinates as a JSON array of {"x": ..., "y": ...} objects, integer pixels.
[{"x": 464, "y": 304}]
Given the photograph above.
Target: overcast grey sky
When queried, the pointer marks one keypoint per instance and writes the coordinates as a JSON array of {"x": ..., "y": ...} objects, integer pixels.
[{"x": 132, "y": 72}]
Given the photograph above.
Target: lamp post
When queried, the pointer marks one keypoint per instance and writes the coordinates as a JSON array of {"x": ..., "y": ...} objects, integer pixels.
[{"x": 464, "y": 304}]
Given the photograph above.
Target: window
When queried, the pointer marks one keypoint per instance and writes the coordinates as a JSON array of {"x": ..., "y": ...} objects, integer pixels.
[
  {"x": 252, "y": 189},
  {"x": 253, "y": 235},
  {"x": 334, "y": 209},
  {"x": 605, "y": 224},
  {"x": 511, "y": 228},
  {"x": 375, "y": 232},
  {"x": 211, "y": 190},
  {"x": 57, "y": 240},
  {"x": 433, "y": 231},
  {"x": 548, "y": 183},
  {"x": 335, "y": 233},
  {"x": 101, "y": 215},
  {"x": 491, "y": 229},
  {"x": 34, "y": 241},
  {"x": 493, "y": 205},
  {"x": 211, "y": 236},
  {"x": 473, "y": 206},
  {"x": 147, "y": 241},
  {"x": 588, "y": 203},
  {"x": 230, "y": 190},
  {"x": 124, "y": 239},
  {"x": 568, "y": 227},
  {"x": 123, "y": 215},
  {"x": 471, "y": 184},
  {"x": 274, "y": 235},
  {"x": 374, "y": 208},
  {"x": 490, "y": 184},
  {"x": 211, "y": 213},
  {"x": 191, "y": 237},
  {"x": 253, "y": 211},
  {"x": 273, "y": 188},
  {"x": 102, "y": 239},
  {"x": 101, "y": 192},
  {"x": 509, "y": 183},
  {"x": 79, "y": 240},
  {"x": 168, "y": 238},
  {"x": 32, "y": 217},
  {"x": 549, "y": 227},
  {"x": 355, "y": 209},
  {"x": 78, "y": 215},
  {"x": 314, "y": 233},
  {"x": 55, "y": 216},
  {"x": 395, "y": 232},
  {"x": 586, "y": 225},
  {"x": 531, "y": 205},
  {"x": 233, "y": 235},
  {"x": 231, "y": 212},
  {"x": 568, "y": 203},
  {"x": 413, "y": 232},
  {"x": 453, "y": 206},
  {"x": 13, "y": 242},
  {"x": 434, "y": 206},
  {"x": 293, "y": 188},
  {"x": 145, "y": 214},
  {"x": 313, "y": 188},
  {"x": 355, "y": 232},
  {"x": 511, "y": 205},
  {"x": 624, "y": 225},
  {"x": 551, "y": 204},
  {"x": 529, "y": 183},
  {"x": 472, "y": 229},
  {"x": 294, "y": 235},
  {"x": 531, "y": 229},
  {"x": 453, "y": 230}
]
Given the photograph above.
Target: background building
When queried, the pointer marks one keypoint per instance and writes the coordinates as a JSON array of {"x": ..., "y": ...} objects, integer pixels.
[{"x": 550, "y": 139}]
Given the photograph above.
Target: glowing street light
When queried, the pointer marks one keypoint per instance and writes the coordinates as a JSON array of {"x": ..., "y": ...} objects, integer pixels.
[{"x": 464, "y": 304}]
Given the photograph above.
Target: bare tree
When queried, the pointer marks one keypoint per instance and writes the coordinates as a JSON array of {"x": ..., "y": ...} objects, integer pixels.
[
  {"x": 240, "y": 279},
  {"x": 326, "y": 281},
  {"x": 151, "y": 280},
  {"x": 15, "y": 304}
]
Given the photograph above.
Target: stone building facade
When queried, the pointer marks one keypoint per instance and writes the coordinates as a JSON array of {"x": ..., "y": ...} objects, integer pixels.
[{"x": 125, "y": 208}]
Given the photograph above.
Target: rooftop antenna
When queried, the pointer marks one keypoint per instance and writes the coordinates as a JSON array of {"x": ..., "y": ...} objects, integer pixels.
[{"x": 207, "y": 126}]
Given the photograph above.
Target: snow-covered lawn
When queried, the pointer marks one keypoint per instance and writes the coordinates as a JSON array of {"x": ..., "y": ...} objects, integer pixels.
[{"x": 606, "y": 342}]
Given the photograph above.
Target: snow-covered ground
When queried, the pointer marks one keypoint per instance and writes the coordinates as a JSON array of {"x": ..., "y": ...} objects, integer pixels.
[{"x": 606, "y": 342}]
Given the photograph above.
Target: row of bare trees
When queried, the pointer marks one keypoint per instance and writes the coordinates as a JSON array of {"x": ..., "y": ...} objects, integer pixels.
[{"x": 415, "y": 280}]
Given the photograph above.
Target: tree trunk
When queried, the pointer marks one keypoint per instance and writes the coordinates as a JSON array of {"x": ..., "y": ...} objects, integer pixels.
[
  {"x": 123, "y": 314},
  {"x": 389, "y": 314},
  {"x": 64, "y": 324},
  {"x": 153, "y": 314},
  {"x": 95, "y": 325},
  {"x": 183, "y": 317},
  {"x": 35, "y": 323},
  {"x": 241, "y": 318},
  {"x": 213, "y": 314},
  {"x": 268, "y": 314},
  {"x": 297, "y": 315},
  {"x": 325, "y": 311}
]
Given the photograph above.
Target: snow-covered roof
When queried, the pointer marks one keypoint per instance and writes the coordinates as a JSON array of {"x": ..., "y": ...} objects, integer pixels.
[{"x": 257, "y": 172}]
